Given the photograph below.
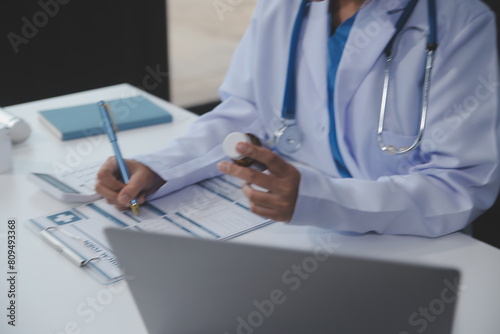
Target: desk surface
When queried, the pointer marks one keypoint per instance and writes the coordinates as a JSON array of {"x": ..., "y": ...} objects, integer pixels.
[{"x": 55, "y": 297}]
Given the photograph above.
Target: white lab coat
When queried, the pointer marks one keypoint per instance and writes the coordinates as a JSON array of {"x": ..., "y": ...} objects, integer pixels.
[{"x": 439, "y": 188}]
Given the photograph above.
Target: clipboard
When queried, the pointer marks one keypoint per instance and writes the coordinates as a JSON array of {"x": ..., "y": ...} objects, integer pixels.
[{"x": 212, "y": 209}]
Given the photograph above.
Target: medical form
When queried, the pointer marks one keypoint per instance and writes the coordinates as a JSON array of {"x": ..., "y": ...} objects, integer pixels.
[{"x": 212, "y": 209}]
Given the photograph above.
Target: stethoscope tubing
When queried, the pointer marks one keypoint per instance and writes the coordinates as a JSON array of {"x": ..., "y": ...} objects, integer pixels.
[
  {"x": 430, "y": 51},
  {"x": 290, "y": 129}
]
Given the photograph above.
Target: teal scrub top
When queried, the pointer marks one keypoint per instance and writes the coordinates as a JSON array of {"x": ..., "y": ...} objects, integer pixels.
[{"x": 336, "y": 45}]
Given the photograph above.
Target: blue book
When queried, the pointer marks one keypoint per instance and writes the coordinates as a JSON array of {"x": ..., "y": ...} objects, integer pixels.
[{"x": 85, "y": 120}]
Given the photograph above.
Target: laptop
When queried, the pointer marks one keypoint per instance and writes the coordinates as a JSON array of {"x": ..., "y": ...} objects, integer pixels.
[{"x": 185, "y": 285}]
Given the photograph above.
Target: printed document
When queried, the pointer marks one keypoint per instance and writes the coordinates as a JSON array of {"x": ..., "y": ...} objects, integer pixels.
[{"x": 214, "y": 209}]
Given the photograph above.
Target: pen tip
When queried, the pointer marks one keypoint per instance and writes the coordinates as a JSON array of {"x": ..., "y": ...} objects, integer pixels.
[{"x": 135, "y": 209}]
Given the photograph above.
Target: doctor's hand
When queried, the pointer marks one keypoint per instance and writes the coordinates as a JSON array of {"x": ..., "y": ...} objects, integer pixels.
[
  {"x": 143, "y": 182},
  {"x": 282, "y": 182}
]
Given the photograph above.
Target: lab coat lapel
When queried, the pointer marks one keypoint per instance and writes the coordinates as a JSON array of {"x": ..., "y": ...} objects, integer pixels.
[
  {"x": 313, "y": 51},
  {"x": 372, "y": 30}
]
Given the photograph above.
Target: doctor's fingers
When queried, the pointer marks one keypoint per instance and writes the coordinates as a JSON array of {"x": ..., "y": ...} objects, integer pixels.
[
  {"x": 275, "y": 164},
  {"x": 142, "y": 182},
  {"x": 251, "y": 176},
  {"x": 109, "y": 194},
  {"x": 109, "y": 187},
  {"x": 119, "y": 198},
  {"x": 114, "y": 190},
  {"x": 112, "y": 196},
  {"x": 279, "y": 207},
  {"x": 106, "y": 179}
]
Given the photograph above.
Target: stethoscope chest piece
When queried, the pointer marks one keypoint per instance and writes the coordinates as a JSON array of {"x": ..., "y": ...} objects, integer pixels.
[{"x": 288, "y": 139}]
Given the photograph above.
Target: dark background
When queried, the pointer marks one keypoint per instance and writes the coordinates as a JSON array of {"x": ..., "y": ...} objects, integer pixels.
[
  {"x": 86, "y": 44},
  {"x": 487, "y": 226},
  {"x": 89, "y": 44}
]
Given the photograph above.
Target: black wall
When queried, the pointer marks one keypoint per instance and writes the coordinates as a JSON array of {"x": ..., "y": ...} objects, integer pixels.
[
  {"x": 55, "y": 47},
  {"x": 487, "y": 226}
]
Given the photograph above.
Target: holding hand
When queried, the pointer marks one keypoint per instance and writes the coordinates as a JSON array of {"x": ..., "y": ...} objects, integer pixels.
[
  {"x": 282, "y": 182},
  {"x": 143, "y": 182}
]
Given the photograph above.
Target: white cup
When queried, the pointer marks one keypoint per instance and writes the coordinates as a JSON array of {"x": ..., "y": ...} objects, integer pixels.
[{"x": 5, "y": 149}]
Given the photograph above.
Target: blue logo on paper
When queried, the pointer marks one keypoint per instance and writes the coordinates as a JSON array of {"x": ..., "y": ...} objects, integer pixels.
[{"x": 63, "y": 218}]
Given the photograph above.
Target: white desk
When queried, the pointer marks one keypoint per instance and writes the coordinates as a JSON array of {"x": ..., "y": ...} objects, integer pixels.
[{"x": 55, "y": 297}]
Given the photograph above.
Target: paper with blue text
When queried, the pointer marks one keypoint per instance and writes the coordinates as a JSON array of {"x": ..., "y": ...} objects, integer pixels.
[{"x": 214, "y": 209}]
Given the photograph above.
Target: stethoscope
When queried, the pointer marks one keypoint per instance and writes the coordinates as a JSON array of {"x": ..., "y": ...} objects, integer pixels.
[{"x": 289, "y": 138}]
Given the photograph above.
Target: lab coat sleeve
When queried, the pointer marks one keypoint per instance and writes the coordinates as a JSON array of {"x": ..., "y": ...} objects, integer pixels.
[
  {"x": 456, "y": 175},
  {"x": 194, "y": 156}
]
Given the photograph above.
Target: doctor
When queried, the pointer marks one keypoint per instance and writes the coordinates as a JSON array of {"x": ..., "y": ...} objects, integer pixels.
[{"x": 350, "y": 171}]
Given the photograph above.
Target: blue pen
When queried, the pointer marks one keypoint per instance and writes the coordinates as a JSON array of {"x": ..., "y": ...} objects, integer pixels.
[{"x": 110, "y": 128}]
